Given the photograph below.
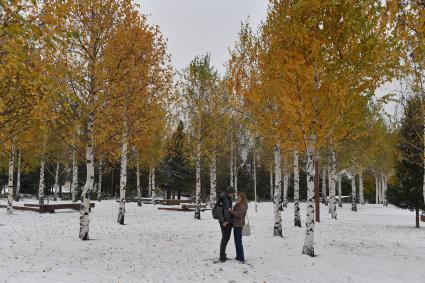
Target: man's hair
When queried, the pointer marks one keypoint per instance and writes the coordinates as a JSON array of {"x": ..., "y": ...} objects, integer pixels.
[{"x": 229, "y": 190}]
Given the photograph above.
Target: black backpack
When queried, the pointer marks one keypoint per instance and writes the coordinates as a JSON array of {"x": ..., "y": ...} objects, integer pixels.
[{"x": 217, "y": 211}]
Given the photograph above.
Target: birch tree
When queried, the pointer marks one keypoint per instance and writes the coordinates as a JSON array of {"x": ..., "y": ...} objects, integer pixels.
[
  {"x": 353, "y": 192},
  {"x": 91, "y": 24},
  {"x": 10, "y": 179},
  {"x": 198, "y": 81},
  {"x": 277, "y": 230},
  {"x": 139, "y": 76},
  {"x": 333, "y": 182},
  {"x": 297, "y": 216}
]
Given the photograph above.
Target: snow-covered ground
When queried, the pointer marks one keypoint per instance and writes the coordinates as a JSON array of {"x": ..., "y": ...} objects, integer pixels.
[{"x": 376, "y": 244}]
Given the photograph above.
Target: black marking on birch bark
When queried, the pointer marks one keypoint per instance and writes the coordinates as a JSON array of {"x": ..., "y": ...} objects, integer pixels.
[{"x": 297, "y": 219}]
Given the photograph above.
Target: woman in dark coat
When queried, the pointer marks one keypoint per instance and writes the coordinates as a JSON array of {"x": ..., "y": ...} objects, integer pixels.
[{"x": 239, "y": 213}]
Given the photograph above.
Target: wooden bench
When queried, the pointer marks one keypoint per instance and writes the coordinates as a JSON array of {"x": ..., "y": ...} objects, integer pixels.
[
  {"x": 175, "y": 209},
  {"x": 143, "y": 200},
  {"x": 183, "y": 208},
  {"x": 192, "y": 205},
  {"x": 52, "y": 207},
  {"x": 26, "y": 208},
  {"x": 173, "y": 201}
]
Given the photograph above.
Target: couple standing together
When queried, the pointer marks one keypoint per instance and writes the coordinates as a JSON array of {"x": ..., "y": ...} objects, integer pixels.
[{"x": 232, "y": 218}]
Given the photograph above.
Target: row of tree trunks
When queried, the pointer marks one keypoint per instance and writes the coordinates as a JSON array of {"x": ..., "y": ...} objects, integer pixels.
[
  {"x": 381, "y": 181},
  {"x": 384, "y": 189}
]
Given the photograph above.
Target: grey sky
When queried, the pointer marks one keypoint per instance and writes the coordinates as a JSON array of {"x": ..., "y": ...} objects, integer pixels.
[{"x": 195, "y": 27}]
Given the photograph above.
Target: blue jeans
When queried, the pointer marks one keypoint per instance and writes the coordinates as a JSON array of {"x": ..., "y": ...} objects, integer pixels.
[{"x": 237, "y": 233}]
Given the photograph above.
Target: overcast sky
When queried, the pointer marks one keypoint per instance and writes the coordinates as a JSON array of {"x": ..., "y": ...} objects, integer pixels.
[{"x": 196, "y": 27}]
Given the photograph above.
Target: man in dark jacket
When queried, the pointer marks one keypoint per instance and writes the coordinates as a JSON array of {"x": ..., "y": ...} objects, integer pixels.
[{"x": 226, "y": 220}]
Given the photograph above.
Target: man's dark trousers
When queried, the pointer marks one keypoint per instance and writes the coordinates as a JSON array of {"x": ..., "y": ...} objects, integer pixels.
[{"x": 225, "y": 237}]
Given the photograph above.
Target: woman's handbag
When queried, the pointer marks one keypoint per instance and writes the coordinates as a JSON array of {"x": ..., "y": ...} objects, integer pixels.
[{"x": 246, "y": 229}]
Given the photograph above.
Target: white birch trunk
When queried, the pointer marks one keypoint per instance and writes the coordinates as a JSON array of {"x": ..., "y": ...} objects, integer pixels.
[
  {"x": 235, "y": 164},
  {"x": 153, "y": 188},
  {"x": 41, "y": 181},
  {"x": 99, "y": 185},
  {"x": 255, "y": 181},
  {"x": 88, "y": 186},
  {"x": 277, "y": 230},
  {"x": 198, "y": 182},
  {"x": 379, "y": 184},
  {"x": 353, "y": 192},
  {"x": 18, "y": 178},
  {"x": 123, "y": 176},
  {"x": 332, "y": 183},
  {"x": 150, "y": 183},
  {"x": 297, "y": 216},
  {"x": 285, "y": 189},
  {"x": 329, "y": 180},
  {"x": 384, "y": 189},
  {"x": 376, "y": 189},
  {"x": 231, "y": 162},
  {"x": 308, "y": 247},
  {"x": 271, "y": 183},
  {"x": 56, "y": 185},
  {"x": 213, "y": 180},
  {"x": 153, "y": 183},
  {"x": 10, "y": 180},
  {"x": 74, "y": 185},
  {"x": 361, "y": 194},
  {"x": 324, "y": 195},
  {"x": 138, "y": 186},
  {"x": 339, "y": 179}
]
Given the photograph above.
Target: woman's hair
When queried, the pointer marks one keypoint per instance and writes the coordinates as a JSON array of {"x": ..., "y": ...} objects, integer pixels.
[{"x": 242, "y": 199}]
